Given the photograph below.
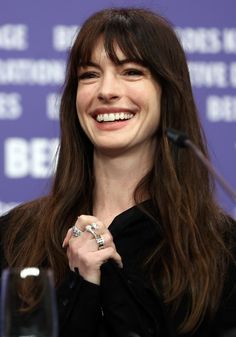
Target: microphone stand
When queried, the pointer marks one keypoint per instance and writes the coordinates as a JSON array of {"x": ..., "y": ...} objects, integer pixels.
[{"x": 181, "y": 140}]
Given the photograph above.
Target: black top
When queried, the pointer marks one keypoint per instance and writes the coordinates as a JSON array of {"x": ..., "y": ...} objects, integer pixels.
[{"x": 124, "y": 305}]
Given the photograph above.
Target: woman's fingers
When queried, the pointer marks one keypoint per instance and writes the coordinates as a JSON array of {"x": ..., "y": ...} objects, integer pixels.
[
  {"x": 90, "y": 244},
  {"x": 83, "y": 251},
  {"x": 87, "y": 262},
  {"x": 67, "y": 238},
  {"x": 84, "y": 221},
  {"x": 109, "y": 253},
  {"x": 80, "y": 225}
]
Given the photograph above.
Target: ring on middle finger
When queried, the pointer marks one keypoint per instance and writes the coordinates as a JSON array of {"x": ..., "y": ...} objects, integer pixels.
[
  {"x": 94, "y": 226},
  {"x": 91, "y": 229}
]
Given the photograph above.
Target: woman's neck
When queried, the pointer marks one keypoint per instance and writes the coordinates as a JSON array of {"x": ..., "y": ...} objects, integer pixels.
[{"x": 115, "y": 183}]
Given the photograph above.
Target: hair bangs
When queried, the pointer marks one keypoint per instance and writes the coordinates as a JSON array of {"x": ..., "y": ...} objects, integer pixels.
[
  {"x": 116, "y": 32},
  {"x": 117, "y": 36}
]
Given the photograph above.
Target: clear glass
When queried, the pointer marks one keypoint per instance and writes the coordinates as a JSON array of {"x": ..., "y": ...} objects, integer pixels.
[{"x": 28, "y": 303}]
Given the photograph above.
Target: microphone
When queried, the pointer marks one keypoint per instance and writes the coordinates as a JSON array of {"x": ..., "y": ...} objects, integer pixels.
[{"x": 181, "y": 140}]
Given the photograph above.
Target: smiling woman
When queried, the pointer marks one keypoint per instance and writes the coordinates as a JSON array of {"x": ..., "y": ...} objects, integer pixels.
[
  {"x": 121, "y": 97},
  {"x": 131, "y": 229}
]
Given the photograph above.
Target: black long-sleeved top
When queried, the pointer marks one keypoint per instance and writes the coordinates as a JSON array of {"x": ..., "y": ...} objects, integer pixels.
[{"x": 125, "y": 304}]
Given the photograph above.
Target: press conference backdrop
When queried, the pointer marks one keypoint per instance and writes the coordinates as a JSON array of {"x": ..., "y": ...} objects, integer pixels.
[{"x": 34, "y": 40}]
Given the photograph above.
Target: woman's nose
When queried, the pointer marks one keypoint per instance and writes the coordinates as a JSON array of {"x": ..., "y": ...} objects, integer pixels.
[{"x": 109, "y": 88}]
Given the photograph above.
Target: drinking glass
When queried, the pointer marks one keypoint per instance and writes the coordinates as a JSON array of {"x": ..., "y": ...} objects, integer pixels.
[{"x": 28, "y": 303}]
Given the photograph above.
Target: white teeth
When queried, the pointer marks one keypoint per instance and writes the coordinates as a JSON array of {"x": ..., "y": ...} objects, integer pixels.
[
  {"x": 111, "y": 117},
  {"x": 105, "y": 118},
  {"x": 99, "y": 118}
]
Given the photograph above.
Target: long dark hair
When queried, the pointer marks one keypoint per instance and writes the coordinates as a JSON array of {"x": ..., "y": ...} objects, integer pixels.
[{"x": 192, "y": 253}]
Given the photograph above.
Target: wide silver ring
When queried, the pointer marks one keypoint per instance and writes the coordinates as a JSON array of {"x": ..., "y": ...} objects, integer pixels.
[
  {"x": 100, "y": 242},
  {"x": 76, "y": 231}
]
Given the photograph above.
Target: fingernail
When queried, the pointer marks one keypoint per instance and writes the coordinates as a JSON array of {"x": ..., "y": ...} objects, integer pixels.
[{"x": 120, "y": 264}]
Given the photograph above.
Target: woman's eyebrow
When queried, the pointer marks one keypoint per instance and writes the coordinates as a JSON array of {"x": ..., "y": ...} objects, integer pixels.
[
  {"x": 89, "y": 64},
  {"x": 128, "y": 60},
  {"x": 118, "y": 62}
]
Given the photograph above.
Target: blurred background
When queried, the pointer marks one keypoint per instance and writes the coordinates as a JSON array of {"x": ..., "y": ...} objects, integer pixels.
[{"x": 34, "y": 42}]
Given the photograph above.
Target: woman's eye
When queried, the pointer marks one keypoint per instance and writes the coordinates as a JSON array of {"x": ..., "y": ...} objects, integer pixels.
[
  {"x": 87, "y": 75},
  {"x": 133, "y": 72}
]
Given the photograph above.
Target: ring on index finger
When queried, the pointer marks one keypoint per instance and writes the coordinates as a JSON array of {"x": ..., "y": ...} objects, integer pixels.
[{"x": 76, "y": 231}]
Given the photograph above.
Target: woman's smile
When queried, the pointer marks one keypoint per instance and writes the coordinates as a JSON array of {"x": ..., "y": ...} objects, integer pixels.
[{"x": 112, "y": 118}]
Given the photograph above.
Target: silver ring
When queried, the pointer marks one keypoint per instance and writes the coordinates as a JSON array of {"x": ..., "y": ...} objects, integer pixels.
[
  {"x": 76, "y": 231},
  {"x": 94, "y": 225},
  {"x": 90, "y": 229},
  {"x": 100, "y": 242}
]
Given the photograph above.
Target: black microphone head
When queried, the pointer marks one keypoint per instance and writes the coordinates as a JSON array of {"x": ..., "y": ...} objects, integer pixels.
[{"x": 177, "y": 137}]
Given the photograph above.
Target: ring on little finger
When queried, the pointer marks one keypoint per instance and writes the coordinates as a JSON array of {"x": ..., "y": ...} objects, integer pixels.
[{"x": 76, "y": 231}]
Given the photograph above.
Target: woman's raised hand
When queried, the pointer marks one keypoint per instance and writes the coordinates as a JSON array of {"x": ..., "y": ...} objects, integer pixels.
[{"x": 89, "y": 244}]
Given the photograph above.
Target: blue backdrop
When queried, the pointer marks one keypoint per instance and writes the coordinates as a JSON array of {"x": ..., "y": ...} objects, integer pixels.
[{"x": 34, "y": 39}]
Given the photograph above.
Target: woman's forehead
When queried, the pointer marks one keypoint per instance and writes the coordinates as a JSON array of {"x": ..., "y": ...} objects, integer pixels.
[{"x": 99, "y": 51}]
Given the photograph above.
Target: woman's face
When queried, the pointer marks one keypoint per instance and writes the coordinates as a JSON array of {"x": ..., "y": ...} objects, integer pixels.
[{"x": 118, "y": 106}]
